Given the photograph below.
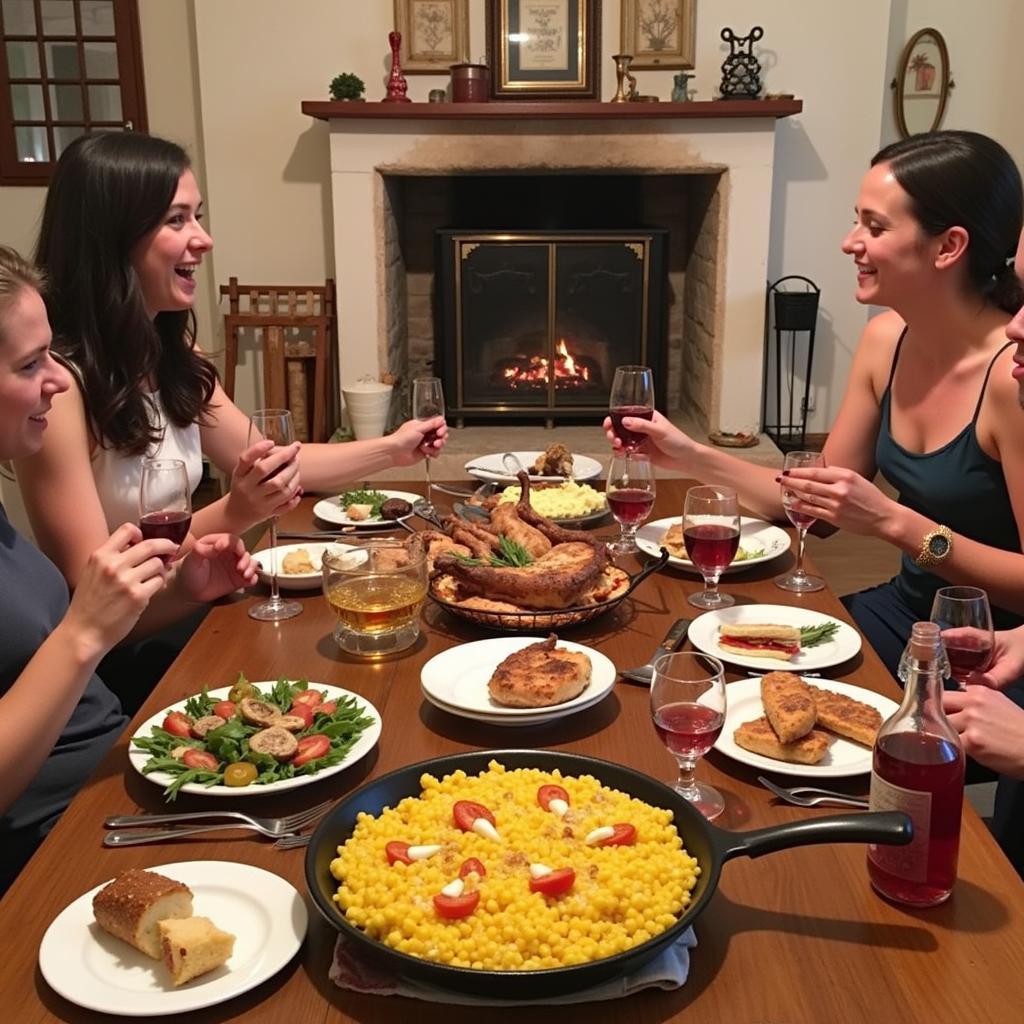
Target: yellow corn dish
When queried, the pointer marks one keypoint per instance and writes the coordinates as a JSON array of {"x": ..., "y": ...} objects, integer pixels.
[
  {"x": 622, "y": 895},
  {"x": 568, "y": 500}
]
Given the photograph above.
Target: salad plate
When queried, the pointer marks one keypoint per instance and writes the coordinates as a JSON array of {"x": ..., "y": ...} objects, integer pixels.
[
  {"x": 759, "y": 542},
  {"x": 265, "y": 557},
  {"x": 492, "y": 467},
  {"x": 331, "y": 510}
]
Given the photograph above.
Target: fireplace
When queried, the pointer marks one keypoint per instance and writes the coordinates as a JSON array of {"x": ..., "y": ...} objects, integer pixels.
[{"x": 533, "y": 323}]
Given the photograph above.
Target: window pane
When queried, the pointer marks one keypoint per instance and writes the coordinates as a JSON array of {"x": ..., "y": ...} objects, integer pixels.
[
  {"x": 19, "y": 18},
  {"x": 31, "y": 143},
  {"x": 105, "y": 102},
  {"x": 58, "y": 17},
  {"x": 63, "y": 136},
  {"x": 101, "y": 60},
  {"x": 27, "y": 102},
  {"x": 23, "y": 60},
  {"x": 66, "y": 102},
  {"x": 97, "y": 17},
  {"x": 62, "y": 60}
]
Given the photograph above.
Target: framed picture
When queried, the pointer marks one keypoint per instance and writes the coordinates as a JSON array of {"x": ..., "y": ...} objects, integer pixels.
[
  {"x": 544, "y": 49},
  {"x": 659, "y": 33},
  {"x": 435, "y": 34}
]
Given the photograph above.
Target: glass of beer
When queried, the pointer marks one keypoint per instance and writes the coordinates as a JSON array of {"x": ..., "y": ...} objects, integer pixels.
[{"x": 376, "y": 588}]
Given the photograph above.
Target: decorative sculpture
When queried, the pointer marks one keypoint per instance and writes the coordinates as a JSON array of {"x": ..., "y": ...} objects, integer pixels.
[
  {"x": 680, "y": 86},
  {"x": 741, "y": 70},
  {"x": 624, "y": 93},
  {"x": 397, "y": 85}
]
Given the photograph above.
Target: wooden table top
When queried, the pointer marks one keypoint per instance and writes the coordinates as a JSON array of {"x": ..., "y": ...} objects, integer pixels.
[{"x": 797, "y": 936}]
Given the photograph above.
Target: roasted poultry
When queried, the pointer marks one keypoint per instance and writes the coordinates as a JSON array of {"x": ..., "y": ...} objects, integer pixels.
[{"x": 555, "y": 460}]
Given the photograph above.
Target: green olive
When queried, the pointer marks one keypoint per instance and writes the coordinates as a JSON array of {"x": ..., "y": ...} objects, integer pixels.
[
  {"x": 241, "y": 773},
  {"x": 242, "y": 689}
]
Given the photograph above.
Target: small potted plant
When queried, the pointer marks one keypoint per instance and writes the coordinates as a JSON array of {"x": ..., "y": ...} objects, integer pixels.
[{"x": 347, "y": 86}]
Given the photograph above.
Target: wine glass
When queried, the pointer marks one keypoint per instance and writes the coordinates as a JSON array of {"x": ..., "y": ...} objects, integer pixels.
[
  {"x": 165, "y": 501},
  {"x": 798, "y": 581},
  {"x": 965, "y": 619},
  {"x": 688, "y": 708},
  {"x": 711, "y": 535},
  {"x": 273, "y": 425},
  {"x": 428, "y": 402},
  {"x": 630, "y": 492},
  {"x": 632, "y": 395}
]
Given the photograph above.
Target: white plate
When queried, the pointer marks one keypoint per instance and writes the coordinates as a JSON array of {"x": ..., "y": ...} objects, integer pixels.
[
  {"x": 294, "y": 580},
  {"x": 366, "y": 742},
  {"x": 542, "y": 719},
  {"x": 93, "y": 969},
  {"x": 331, "y": 511},
  {"x": 490, "y": 467},
  {"x": 843, "y": 646},
  {"x": 456, "y": 680},
  {"x": 754, "y": 534},
  {"x": 844, "y": 757}
]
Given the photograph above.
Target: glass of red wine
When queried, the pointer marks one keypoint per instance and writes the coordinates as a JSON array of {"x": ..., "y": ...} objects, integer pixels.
[
  {"x": 711, "y": 536},
  {"x": 965, "y": 620},
  {"x": 632, "y": 395},
  {"x": 797, "y": 581},
  {"x": 273, "y": 425},
  {"x": 165, "y": 500},
  {"x": 428, "y": 402},
  {"x": 688, "y": 708},
  {"x": 630, "y": 493}
]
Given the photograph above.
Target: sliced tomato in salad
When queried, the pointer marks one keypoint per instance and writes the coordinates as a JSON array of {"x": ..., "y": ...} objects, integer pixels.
[
  {"x": 177, "y": 723},
  {"x": 303, "y": 711},
  {"x": 454, "y": 907},
  {"x": 554, "y": 884},
  {"x": 227, "y": 709},
  {"x": 396, "y": 851},
  {"x": 200, "y": 759},
  {"x": 327, "y": 708},
  {"x": 548, "y": 793},
  {"x": 310, "y": 748},
  {"x": 465, "y": 812},
  {"x": 308, "y": 697}
]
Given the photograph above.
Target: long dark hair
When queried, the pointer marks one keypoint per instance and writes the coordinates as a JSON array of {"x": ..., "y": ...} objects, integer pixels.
[
  {"x": 968, "y": 180},
  {"x": 108, "y": 191}
]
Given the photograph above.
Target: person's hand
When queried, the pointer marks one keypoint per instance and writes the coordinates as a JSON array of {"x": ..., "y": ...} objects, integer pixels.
[
  {"x": 410, "y": 442},
  {"x": 119, "y": 579},
  {"x": 664, "y": 442},
  {"x": 991, "y": 727},
  {"x": 218, "y": 564},
  {"x": 265, "y": 483},
  {"x": 1007, "y": 661},
  {"x": 840, "y": 497}
]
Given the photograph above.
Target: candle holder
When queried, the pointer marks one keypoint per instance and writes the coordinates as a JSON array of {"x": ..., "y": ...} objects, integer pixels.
[{"x": 624, "y": 93}]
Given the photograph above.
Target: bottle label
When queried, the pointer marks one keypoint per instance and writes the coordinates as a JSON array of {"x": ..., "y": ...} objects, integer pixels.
[{"x": 908, "y": 862}]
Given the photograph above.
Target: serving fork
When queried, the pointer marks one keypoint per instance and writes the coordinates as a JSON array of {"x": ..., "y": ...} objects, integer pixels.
[{"x": 811, "y": 796}]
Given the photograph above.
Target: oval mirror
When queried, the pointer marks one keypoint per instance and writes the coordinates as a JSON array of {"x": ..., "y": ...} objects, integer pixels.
[{"x": 922, "y": 83}]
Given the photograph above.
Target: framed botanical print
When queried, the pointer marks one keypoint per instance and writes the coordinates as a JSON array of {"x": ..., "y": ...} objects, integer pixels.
[
  {"x": 435, "y": 34},
  {"x": 544, "y": 49},
  {"x": 659, "y": 33}
]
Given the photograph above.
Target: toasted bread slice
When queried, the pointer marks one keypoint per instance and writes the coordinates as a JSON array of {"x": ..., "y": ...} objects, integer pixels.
[
  {"x": 788, "y": 705},
  {"x": 759, "y": 737},
  {"x": 848, "y": 717}
]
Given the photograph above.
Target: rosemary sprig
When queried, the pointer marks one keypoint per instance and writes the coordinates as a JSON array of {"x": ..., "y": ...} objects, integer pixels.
[
  {"x": 811, "y": 636},
  {"x": 510, "y": 555}
]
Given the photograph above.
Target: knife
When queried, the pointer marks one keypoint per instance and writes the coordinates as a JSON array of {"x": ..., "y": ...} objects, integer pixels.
[{"x": 644, "y": 674}]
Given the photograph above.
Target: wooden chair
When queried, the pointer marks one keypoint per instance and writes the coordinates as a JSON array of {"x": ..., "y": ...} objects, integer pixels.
[{"x": 296, "y": 325}]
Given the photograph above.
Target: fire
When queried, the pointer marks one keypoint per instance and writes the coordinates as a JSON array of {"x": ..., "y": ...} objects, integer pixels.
[{"x": 538, "y": 370}]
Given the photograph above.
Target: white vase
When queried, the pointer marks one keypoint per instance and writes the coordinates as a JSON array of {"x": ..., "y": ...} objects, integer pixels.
[{"x": 367, "y": 404}]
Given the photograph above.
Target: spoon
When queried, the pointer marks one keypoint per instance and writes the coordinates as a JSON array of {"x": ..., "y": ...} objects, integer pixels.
[
  {"x": 512, "y": 463},
  {"x": 422, "y": 508},
  {"x": 466, "y": 511}
]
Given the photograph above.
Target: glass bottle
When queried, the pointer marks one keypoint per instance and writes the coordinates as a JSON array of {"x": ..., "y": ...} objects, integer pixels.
[{"x": 918, "y": 768}]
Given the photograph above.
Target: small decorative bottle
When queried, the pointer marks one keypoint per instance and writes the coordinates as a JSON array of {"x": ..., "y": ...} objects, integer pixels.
[{"x": 918, "y": 768}]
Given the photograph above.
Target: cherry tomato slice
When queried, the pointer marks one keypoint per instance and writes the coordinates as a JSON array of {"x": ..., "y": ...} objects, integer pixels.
[
  {"x": 454, "y": 907},
  {"x": 558, "y": 882},
  {"x": 178, "y": 724},
  {"x": 226, "y": 709},
  {"x": 465, "y": 812},
  {"x": 548, "y": 793},
  {"x": 303, "y": 711},
  {"x": 241, "y": 773},
  {"x": 396, "y": 851},
  {"x": 624, "y": 835},
  {"x": 200, "y": 759},
  {"x": 310, "y": 748},
  {"x": 472, "y": 864},
  {"x": 327, "y": 708},
  {"x": 308, "y": 697}
]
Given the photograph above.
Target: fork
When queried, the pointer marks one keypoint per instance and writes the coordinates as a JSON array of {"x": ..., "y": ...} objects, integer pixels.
[
  {"x": 644, "y": 674},
  {"x": 293, "y": 842},
  {"x": 802, "y": 795}
]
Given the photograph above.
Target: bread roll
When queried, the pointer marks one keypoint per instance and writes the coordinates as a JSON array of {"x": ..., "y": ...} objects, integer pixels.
[
  {"x": 192, "y": 946},
  {"x": 131, "y": 906}
]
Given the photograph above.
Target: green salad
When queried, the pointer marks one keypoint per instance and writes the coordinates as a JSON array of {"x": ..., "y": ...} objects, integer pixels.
[
  {"x": 253, "y": 737},
  {"x": 372, "y": 498}
]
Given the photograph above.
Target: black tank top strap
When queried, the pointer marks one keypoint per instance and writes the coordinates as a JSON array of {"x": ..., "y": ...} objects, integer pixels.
[
  {"x": 984, "y": 383},
  {"x": 895, "y": 357}
]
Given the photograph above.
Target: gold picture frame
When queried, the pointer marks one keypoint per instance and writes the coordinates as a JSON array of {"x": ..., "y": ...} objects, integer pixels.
[
  {"x": 435, "y": 35},
  {"x": 544, "y": 49},
  {"x": 659, "y": 33}
]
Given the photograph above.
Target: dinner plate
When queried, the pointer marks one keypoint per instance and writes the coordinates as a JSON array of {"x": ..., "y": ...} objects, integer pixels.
[
  {"x": 844, "y": 757},
  {"x": 586, "y": 518},
  {"x": 843, "y": 646},
  {"x": 506, "y": 722},
  {"x": 91, "y": 968},
  {"x": 754, "y": 534},
  {"x": 330, "y": 509},
  {"x": 456, "y": 680},
  {"x": 490, "y": 467},
  {"x": 363, "y": 745},
  {"x": 294, "y": 580}
]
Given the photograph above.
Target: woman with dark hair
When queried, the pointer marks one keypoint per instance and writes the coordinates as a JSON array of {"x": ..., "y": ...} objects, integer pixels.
[
  {"x": 930, "y": 400},
  {"x": 121, "y": 240}
]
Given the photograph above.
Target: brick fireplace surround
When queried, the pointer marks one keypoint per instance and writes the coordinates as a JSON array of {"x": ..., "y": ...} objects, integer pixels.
[{"x": 708, "y": 169}]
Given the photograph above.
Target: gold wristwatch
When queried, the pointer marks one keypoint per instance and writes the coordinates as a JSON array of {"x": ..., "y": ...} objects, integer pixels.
[{"x": 935, "y": 546}]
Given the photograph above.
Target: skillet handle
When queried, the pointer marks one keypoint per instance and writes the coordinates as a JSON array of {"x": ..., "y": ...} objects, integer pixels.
[
  {"x": 890, "y": 827},
  {"x": 651, "y": 567}
]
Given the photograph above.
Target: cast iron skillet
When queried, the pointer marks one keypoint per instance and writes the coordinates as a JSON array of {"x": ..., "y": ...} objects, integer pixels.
[{"x": 710, "y": 845}]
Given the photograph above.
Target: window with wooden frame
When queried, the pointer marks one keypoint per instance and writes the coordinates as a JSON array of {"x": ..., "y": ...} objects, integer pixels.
[{"x": 69, "y": 67}]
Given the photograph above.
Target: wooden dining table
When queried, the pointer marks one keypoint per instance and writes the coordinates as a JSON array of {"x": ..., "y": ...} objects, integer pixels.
[{"x": 797, "y": 936}]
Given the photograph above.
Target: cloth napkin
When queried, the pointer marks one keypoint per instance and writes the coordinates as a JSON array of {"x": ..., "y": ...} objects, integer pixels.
[{"x": 668, "y": 970}]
